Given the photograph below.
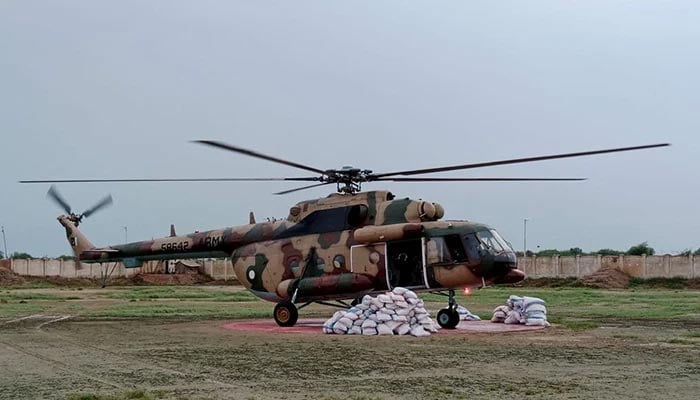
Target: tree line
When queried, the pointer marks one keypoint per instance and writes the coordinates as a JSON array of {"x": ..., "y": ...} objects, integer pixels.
[{"x": 636, "y": 250}]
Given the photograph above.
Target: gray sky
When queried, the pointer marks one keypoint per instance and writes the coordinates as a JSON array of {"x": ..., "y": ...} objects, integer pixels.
[{"x": 117, "y": 89}]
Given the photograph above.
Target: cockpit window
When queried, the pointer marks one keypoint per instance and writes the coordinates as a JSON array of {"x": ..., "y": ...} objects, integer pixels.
[
  {"x": 445, "y": 249},
  {"x": 488, "y": 239},
  {"x": 504, "y": 243}
]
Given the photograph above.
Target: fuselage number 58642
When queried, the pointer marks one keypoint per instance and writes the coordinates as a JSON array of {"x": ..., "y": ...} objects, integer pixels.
[{"x": 175, "y": 246}]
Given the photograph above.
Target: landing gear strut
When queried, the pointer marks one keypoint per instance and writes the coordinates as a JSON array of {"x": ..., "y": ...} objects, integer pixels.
[
  {"x": 286, "y": 313},
  {"x": 448, "y": 318}
]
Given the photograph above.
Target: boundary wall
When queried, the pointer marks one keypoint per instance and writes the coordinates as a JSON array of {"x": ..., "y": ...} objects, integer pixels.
[
  {"x": 664, "y": 266},
  {"x": 216, "y": 268}
]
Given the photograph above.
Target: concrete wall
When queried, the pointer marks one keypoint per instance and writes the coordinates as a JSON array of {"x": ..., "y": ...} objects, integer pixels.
[
  {"x": 217, "y": 269},
  {"x": 665, "y": 266}
]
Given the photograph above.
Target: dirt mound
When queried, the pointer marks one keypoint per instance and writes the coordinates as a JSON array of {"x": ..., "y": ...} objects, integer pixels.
[
  {"x": 170, "y": 279},
  {"x": 9, "y": 278},
  {"x": 607, "y": 278},
  {"x": 63, "y": 281}
]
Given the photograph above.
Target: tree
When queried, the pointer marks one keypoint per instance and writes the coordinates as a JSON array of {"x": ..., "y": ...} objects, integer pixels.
[
  {"x": 66, "y": 257},
  {"x": 609, "y": 252},
  {"x": 548, "y": 253},
  {"x": 697, "y": 252},
  {"x": 2, "y": 255},
  {"x": 686, "y": 252},
  {"x": 574, "y": 251},
  {"x": 19, "y": 256},
  {"x": 642, "y": 248}
]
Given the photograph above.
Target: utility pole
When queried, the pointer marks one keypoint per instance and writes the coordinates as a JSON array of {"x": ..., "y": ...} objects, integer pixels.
[
  {"x": 525, "y": 236},
  {"x": 126, "y": 234},
  {"x": 4, "y": 241}
]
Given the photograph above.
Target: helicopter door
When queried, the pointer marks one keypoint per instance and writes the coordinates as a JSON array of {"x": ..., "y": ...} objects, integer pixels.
[{"x": 405, "y": 264}]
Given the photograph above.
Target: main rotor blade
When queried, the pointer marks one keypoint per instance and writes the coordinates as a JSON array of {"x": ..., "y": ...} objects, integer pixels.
[
  {"x": 513, "y": 161},
  {"x": 101, "y": 204},
  {"x": 419, "y": 179},
  {"x": 307, "y": 179},
  {"x": 53, "y": 194},
  {"x": 257, "y": 155},
  {"x": 303, "y": 188}
]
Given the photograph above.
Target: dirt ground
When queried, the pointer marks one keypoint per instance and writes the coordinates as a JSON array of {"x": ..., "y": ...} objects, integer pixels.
[{"x": 53, "y": 354}]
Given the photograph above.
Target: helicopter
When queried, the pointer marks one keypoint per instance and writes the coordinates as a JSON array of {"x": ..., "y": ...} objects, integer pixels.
[{"x": 338, "y": 248}]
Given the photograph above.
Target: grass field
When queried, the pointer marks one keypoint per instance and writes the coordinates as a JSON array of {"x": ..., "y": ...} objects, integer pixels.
[{"x": 168, "y": 342}]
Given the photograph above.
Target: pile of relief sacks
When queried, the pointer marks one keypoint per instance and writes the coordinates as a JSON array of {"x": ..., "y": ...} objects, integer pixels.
[
  {"x": 522, "y": 310},
  {"x": 399, "y": 312}
]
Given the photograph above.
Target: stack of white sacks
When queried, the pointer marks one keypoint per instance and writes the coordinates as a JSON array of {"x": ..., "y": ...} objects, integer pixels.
[
  {"x": 522, "y": 310},
  {"x": 466, "y": 315},
  {"x": 399, "y": 312}
]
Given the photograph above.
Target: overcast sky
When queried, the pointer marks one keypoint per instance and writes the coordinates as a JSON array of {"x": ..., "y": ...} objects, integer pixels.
[{"x": 117, "y": 89}]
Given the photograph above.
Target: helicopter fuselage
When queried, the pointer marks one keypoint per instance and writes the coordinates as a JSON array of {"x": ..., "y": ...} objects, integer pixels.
[{"x": 342, "y": 247}]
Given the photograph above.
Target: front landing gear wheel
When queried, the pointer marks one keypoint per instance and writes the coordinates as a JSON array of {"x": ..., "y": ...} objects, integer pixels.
[
  {"x": 286, "y": 313},
  {"x": 448, "y": 318}
]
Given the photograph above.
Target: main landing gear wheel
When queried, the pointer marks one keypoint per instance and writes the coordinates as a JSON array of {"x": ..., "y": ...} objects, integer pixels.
[
  {"x": 448, "y": 318},
  {"x": 286, "y": 313}
]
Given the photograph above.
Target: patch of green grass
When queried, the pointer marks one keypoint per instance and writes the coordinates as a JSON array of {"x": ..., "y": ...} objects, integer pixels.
[
  {"x": 179, "y": 292},
  {"x": 587, "y": 303},
  {"x": 695, "y": 334},
  {"x": 580, "y": 325},
  {"x": 552, "y": 283},
  {"x": 14, "y": 309},
  {"x": 29, "y": 296},
  {"x": 662, "y": 283}
]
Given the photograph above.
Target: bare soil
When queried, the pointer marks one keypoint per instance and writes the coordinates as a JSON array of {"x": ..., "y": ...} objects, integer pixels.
[
  {"x": 59, "y": 354},
  {"x": 607, "y": 278},
  {"x": 9, "y": 278}
]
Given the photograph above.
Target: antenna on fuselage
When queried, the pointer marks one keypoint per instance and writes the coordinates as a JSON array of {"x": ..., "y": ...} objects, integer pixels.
[{"x": 251, "y": 218}]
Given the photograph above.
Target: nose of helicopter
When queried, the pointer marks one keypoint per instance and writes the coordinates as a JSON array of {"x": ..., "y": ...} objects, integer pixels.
[
  {"x": 504, "y": 268},
  {"x": 512, "y": 276}
]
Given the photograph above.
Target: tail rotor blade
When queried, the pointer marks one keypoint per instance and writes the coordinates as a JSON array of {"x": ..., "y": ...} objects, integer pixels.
[
  {"x": 55, "y": 196},
  {"x": 101, "y": 204}
]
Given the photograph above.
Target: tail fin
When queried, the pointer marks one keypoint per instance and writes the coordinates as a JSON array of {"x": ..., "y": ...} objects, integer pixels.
[{"x": 78, "y": 242}]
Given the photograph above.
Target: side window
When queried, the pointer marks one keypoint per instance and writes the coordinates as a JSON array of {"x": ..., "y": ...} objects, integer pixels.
[
  {"x": 445, "y": 249},
  {"x": 454, "y": 244}
]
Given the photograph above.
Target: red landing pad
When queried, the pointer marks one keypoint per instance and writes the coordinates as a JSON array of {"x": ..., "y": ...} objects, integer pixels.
[{"x": 310, "y": 325}]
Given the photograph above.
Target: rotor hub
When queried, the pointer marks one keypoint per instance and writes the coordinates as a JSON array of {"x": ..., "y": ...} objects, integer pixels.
[{"x": 347, "y": 179}]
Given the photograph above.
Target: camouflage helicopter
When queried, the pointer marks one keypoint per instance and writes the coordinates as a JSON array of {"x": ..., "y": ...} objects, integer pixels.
[{"x": 341, "y": 247}]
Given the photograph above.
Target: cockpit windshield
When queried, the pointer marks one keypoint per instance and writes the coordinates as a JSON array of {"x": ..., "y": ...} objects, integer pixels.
[
  {"x": 492, "y": 240},
  {"x": 453, "y": 249}
]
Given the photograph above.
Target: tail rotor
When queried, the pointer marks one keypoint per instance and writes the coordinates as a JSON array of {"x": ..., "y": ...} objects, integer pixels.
[{"x": 54, "y": 195}]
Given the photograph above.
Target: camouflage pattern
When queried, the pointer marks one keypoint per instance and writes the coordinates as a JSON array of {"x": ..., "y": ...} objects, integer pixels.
[{"x": 329, "y": 248}]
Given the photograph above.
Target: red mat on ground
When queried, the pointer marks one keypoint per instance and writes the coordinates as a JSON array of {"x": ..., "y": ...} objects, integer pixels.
[{"x": 309, "y": 325}]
